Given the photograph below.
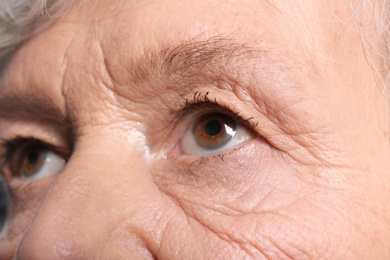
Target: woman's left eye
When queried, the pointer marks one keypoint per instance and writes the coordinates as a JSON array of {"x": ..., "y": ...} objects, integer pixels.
[{"x": 212, "y": 133}]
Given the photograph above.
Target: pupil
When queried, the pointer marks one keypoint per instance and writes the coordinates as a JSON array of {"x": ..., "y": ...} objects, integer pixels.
[
  {"x": 33, "y": 157},
  {"x": 213, "y": 127}
]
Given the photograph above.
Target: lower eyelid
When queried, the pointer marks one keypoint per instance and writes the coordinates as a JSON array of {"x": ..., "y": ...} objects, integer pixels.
[{"x": 200, "y": 165}]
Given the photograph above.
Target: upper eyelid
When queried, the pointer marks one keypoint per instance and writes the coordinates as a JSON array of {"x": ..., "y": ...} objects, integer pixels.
[
  {"x": 191, "y": 103},
  {"x": 203, "y": 102},
  {"x": 9, "y": 147}
]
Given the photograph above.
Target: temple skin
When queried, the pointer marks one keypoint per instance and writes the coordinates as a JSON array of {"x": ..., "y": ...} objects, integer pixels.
[{"x": 109, "y": 84}]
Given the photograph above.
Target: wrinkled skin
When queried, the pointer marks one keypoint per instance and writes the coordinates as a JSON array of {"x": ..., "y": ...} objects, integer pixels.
[{"x": 312, "y": 182}]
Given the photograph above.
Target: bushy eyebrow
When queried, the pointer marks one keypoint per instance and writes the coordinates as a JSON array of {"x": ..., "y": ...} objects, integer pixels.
[
  {"x": 190, "y": 59},
  {"x": 197, "y": 54}
]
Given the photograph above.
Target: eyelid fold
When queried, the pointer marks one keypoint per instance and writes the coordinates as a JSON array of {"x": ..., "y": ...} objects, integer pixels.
[{"x": 201, "y": 103}]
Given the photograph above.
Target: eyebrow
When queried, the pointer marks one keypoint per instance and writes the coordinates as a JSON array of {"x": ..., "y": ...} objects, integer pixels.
[
  {"x": 197, "y": 54},
  {"x": 197, "y": 58},
  {"x": 186, "y": 63},
  {"x": 31, "y": 108}
]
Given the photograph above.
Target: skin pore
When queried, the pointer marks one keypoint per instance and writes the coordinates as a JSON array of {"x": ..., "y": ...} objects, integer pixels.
[{"x": 113, "y": 86}]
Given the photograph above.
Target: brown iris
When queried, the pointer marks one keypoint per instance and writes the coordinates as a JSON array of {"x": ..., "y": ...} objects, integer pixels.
[
  {"x": 214, "y": 130},
  {"x": 31, "y": 161}
]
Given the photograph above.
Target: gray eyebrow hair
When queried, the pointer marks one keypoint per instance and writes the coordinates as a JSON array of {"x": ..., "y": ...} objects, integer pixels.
[
  {"x": 198, "y": 53},
  {"x": 191, "y": 58}
]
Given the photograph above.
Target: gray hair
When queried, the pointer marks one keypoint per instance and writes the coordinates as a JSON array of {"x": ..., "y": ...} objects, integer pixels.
[{"x": 21, "y": 19}]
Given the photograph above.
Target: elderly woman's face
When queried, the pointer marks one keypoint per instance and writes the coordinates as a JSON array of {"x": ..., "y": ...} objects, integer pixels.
[{"x": 197, "y": 130}]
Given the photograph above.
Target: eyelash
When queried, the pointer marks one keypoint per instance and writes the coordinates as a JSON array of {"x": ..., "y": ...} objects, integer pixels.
[
  {"x": 200, "y": 102},
  {"x": 9, "y": 148}
]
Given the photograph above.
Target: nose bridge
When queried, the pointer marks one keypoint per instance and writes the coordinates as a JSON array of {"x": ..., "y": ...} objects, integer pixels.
[{"x": 78, "y": 211}]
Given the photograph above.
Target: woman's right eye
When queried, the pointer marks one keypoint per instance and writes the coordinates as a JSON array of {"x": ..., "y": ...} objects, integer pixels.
[
  {"x": 25, "y": 160},
  {"x": 40, "y": 162}
]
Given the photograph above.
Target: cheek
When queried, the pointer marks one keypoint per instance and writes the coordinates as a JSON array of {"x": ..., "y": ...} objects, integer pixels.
[
  {"x": 257, "y": 199},
  {"x": 241, "y": 180},
  {"x": 26, "y": 198}
]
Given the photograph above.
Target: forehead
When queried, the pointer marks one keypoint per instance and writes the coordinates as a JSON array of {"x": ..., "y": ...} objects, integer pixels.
[
  {"x": 133, "y": 27},
  {"x": 99, "y": 41}
]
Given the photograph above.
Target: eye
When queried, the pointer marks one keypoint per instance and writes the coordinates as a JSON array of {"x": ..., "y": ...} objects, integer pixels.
[
  {"x": 38, "y": 162},
  {"x": 31, "y": 159},
  {"x": 212, "y": 133}
]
